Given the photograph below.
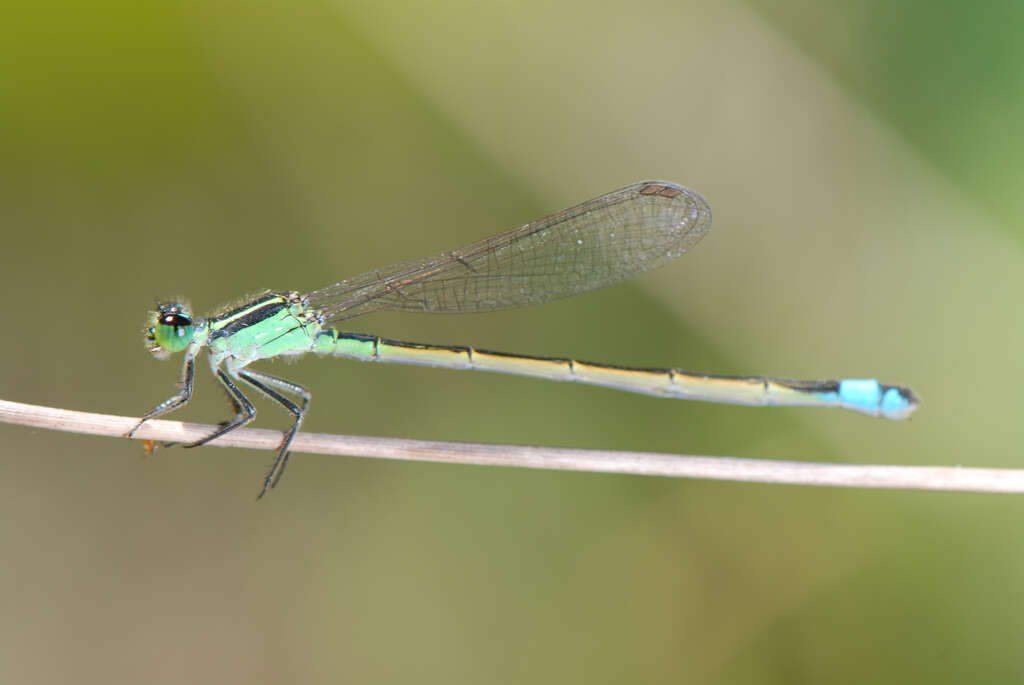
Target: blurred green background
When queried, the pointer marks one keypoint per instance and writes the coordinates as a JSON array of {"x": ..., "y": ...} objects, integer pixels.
[{"x": 864, "y": 163}]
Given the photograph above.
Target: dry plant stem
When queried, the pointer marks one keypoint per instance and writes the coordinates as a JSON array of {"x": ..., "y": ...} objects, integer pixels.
[{"x": 602, "y": 461}]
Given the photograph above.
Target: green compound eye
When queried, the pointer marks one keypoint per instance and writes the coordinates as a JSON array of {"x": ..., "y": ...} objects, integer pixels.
[{"x": 173, "y": 331}]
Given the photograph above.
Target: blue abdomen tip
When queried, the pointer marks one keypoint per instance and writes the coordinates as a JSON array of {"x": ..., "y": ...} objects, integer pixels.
[
  {"x": 898, "y": 403},
  {"x": 870, "y": 397},
  {"x": 863, "y": 395}
]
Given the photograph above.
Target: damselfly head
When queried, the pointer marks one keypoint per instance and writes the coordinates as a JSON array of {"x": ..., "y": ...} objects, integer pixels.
[{"x": 169, "y": 329}]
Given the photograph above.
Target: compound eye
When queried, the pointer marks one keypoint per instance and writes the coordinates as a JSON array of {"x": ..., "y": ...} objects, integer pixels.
[{"x": 173, "y": 331}]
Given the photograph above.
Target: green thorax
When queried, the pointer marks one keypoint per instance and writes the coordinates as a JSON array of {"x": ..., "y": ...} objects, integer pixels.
[{"x": 269, "y": 325}]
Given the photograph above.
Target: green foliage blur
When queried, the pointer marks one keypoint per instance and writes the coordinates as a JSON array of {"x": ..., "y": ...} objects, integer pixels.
[{"x": 863, "y": 160}]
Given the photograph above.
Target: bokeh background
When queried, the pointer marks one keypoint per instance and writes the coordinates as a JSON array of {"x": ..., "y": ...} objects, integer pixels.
[{"x": 864, "y": 163}]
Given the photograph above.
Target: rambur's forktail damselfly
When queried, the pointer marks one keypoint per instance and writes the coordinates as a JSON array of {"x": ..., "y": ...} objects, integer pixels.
[{"x": 586, "y": 247}]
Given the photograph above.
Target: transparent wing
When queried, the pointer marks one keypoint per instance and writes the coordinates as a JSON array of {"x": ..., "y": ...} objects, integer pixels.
[{"x": 583, "y": 248}]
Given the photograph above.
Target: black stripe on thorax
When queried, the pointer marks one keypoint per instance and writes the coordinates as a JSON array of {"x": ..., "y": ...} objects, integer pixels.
[{"x": 248, "y": 314}]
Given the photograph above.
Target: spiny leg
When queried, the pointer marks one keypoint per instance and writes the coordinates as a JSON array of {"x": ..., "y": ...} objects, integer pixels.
[
  {"x": 269, "y": 386},
  {"x": 180, "y": 399},
  {"x": 244, "y": 411}
]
